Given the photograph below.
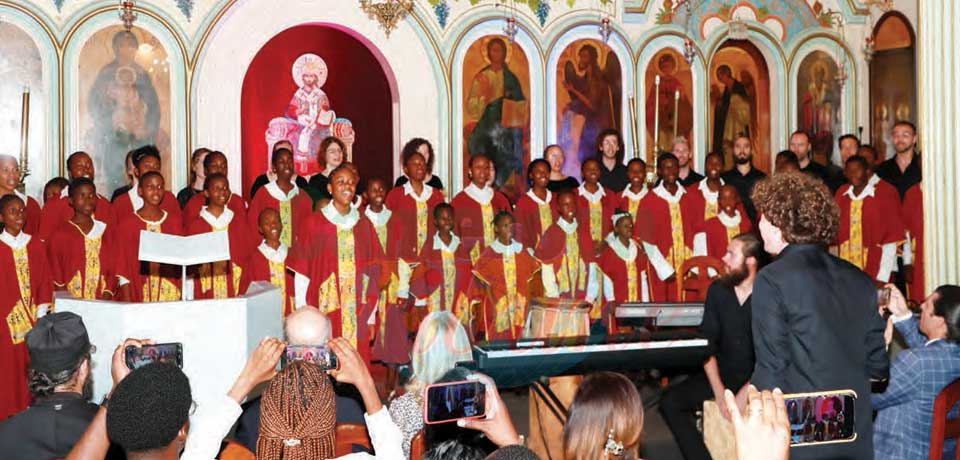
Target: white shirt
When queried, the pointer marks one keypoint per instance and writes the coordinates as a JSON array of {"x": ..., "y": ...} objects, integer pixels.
[
  {"x": 591, "y": 197},
  {"x": 506, "y": 249},
  {"x": 274, "y": 190},
  {"x": 217, "y": 223},
  {"x": 424, "y": 195},
  {"x": 379, "y": 219},
  {"x": 480, "y": 195},
  {"x": 342, "y": 221},
  {"x": 537, "y": 200},
  {"x": 273, "y": 255},
  {"x": 213, "y": 421},
  {"x": 438, "y": 244},
  {"x": 135, "y": 199},
  {"x": 15, "y": 242}
]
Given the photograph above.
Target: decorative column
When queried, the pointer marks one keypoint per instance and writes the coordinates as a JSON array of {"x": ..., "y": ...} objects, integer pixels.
[{"x": 939, "y": 100}]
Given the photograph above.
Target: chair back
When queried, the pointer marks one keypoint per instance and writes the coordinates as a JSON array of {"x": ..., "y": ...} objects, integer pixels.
[
  {"x": 233, "y": 450},
  {"x": 698, "y": 282},
  {"x": 349, "y": 435},
  {"x": 942, "y": 428},
  {"x": 416, "y": 446}
]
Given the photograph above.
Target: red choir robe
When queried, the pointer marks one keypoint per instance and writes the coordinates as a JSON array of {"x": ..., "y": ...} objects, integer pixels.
[
  {"x": 705, "y": 201},
  {"x": 474, "y": 210},
  {"x": 293, "y": 207},
  {"x": 442, "y": 280},
  {"x": 82, "y": 263},
  {"x": 131, "y": 202},
  {"x": 533, "y": 217},
  {"x": 911, "y": 214},
  {"x": 720, "y": 229},
  {"x": 674, "y": 238},
  {"x": 595, "y": 211},
  {"x": 341, "y": 271},
  {"x": 567, "y": 264},
  {"x": 149, "y": 281},
  {"x": 411, "y": 222},
  {"x": 31, "y": 222},
  {"x": 270, "y": 265},
  {"x": 191, "y": 211},
  {"x": 508, "y": 277},
  {"x": 870, "y": 228},
  {"x": 630, "y": 202},
  {"x": 221, "y": 280},
  {"x": 390, "y": 344},
  {"x": 624, "y": 272},
  {"x": 25, "y": 289},
  {"x": 57, "y": 211}
]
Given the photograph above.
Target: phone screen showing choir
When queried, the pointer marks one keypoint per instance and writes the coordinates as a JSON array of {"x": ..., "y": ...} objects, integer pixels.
[
  {"x": 821, "y": 418},
  {"x": 137, "y": 357},
  {"x": 449, "y": 402},
  {"x": 316, "y": 354}
]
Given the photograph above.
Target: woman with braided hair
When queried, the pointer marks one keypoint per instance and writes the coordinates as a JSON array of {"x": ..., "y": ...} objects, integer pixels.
[{"x": 298, "y": 415}]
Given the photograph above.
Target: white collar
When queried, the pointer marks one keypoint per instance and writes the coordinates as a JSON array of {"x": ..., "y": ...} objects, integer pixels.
[
  {"x": 217, "y": 222},
  {"x": 424, "y": 195},
  {"x": 662, "y": 192},
  {"x": 480, "y": 195},
  {"x": 274, "y": 190},
  {"x": 931, "y": 341},
  {"x": 567, "y": 227},
  {"x": 379, "y": 219},
  {"x": 273, "y": 255},
  {"x": 16, "y": 242},
  {"x": 874, "y": 179},
  {"x": 868, "y": 191},
  {"x": 65, "y": 192},
  {"x": 95, "y": 232},
  {"x": 506, "y": 250},
  {"x": 343, "y": 222},
  {"x": 728, "y": 221},
  {"x": 707, "y": 193},
  {"x": 537, "y": 200},
  {"x": 628, "y": 254},
  {"x": 22, "y": 196},
  {"x": 357, "y": 201},
  {"x": 438, "y": 243},
  {"x": 591, "y": 197},
  {"x": 159, "y": 221},
  {"x": 135, "y": 199},
  {"x": 627, "y": 193}
]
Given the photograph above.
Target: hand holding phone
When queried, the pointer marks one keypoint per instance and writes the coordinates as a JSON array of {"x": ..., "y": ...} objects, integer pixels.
[
  {"x": 763, "y": 432},
  {"x": 821, "y": 418},
  {"x": 449, "y": 402},
  {"x": 137, "y": 357}
]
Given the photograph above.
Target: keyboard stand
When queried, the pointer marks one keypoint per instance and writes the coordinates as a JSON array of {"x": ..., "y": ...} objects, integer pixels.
[{"x": 556, "y": 407}]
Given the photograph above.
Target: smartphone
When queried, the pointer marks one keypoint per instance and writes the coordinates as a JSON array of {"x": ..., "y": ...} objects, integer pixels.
[
  {"x": 316, "y": 354},
  {"x": 448, "y": 402},
  {"x": 821, "y": 418},
  {"x": 137, "y": 357}
]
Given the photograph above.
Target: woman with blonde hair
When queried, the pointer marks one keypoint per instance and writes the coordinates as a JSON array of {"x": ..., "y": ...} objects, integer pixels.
[
  {"x": 441, "y": 343},
  {"x": 606, "y": 418}
]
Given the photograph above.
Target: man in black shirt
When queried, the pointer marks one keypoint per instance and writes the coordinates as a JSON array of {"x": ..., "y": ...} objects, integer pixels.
[
  {"x": 681, "y": 150},
  {"x": 613, "y": 173},
  {"x": 59, "y": 350},
  {"x": 743, "y": 175},
  {"x": 903, "y": 170},
  {"x": 726, "y": 325},
  {"x": 800, "y": 145}
]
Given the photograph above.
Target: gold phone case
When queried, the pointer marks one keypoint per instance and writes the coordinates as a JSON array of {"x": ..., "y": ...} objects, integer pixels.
[{"x": 817, "y": 394}]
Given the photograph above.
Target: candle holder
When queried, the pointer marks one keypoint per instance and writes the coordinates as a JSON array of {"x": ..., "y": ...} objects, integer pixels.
[
  {"x": 388, "y": 13},
  {"x": 605, "y": 29},
  {"x": 689, "y": 51},
  {"x": 24, "y": 162},
  {"x": 127, "y": 13}
]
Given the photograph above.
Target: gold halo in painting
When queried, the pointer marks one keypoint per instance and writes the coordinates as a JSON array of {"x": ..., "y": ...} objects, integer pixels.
[
  {"x": 816, "y": 68},
  {"x": 664, "y": 57},
  {"x": 485, "y": 41}
]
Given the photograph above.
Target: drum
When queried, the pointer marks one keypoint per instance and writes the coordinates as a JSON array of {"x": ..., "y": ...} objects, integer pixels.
[{"x": 548, "y": 318}]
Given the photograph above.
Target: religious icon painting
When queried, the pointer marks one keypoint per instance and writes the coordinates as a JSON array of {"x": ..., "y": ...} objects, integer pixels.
[
  {"x": 740, "y": 101},
  {"x": 819, "y": 97},
  {"x": 589, "y": 91},
  {"x": 496, "y": 109},
  {"x": 21, "y": 67},
  {"x": 675, "y": 105},
  {"x": 309, "y": 117},
  {"x": 124, "y": 100}
]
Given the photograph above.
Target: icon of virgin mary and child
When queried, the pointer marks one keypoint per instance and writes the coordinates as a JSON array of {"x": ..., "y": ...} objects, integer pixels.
[{"x": 309, "y": 117}]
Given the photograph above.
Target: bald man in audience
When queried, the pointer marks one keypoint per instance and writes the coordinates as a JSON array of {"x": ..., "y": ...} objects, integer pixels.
[{"x": 306, "y": 326}]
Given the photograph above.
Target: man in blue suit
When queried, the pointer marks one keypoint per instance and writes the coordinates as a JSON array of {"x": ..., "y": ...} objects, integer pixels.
[{"x": 918, "y": 374}]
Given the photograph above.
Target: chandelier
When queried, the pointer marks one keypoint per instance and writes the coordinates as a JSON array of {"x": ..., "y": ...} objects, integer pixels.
[
  {"x": 127, "y": 14},
  {"x": 387, "y": 12}
]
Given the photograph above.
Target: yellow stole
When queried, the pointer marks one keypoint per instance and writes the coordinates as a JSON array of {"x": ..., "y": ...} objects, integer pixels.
[
  {"x": 24, "y": 313},
  {"x": 86, "y": 286},
  {"x": 678, "y": 252},
  {"x": 157, "y": 289},
  {"x": 852, "y": 250}
]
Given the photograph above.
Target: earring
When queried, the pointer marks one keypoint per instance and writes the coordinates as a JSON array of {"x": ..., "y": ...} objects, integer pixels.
[{"x": 612, "y": 446}]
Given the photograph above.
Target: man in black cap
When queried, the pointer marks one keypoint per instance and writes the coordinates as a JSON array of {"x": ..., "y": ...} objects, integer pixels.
[{"x": 59, "y": 379}]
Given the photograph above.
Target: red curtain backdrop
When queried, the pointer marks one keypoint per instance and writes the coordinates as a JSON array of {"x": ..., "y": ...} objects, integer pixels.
[{"x": 356, "y": 85}]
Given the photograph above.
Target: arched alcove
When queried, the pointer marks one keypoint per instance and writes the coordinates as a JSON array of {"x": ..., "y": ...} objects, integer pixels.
[{"x": 893, "y": 94}]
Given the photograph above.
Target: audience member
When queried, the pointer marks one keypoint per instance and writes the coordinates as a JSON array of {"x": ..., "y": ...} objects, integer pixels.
[
  {"x": 613, "y": 173},
  {"x": 726, "y": 325},
  {"x": 917, "y": 374},
  {"x": 681, "y": 150},
  {"x": 743, "y": 175},
  {"x": 441, "y": 343},
  {"x": 814, "y": 305},
  {"x": 59, "y": 379},
  {"x": 903, "y": 170},
  {"x": 605, "y": 419},
  {"x": 558, "y": 180}
]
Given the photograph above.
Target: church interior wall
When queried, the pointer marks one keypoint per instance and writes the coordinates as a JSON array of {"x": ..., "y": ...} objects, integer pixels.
[{"x": 210, "y": 43}]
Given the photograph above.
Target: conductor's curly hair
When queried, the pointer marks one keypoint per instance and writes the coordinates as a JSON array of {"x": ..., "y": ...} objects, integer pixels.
[{"x": 801, "y": 206}]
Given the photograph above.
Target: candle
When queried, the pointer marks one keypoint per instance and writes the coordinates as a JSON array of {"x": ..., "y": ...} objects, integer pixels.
[
  {"x": 656, "y": 117},
  {"x": 633, "y": 126},
  {"x": 676, "y": 112},
  {"x": 24, "y": 130}
]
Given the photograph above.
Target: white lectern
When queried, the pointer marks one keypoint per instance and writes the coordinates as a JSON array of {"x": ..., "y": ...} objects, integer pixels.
[{"x": 217, "y": 335}]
